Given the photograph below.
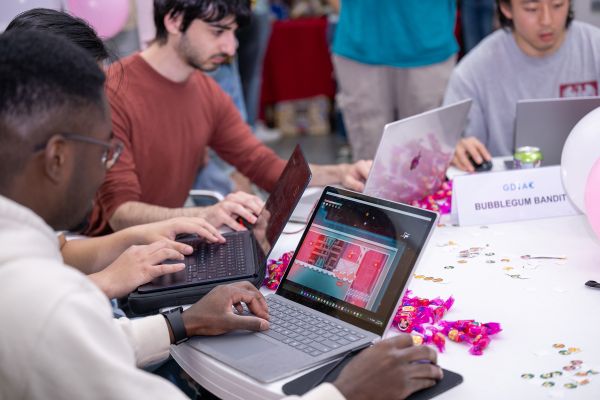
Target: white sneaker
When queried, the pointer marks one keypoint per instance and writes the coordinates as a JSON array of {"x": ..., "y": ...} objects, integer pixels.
[{"x": 265, "y": 134}]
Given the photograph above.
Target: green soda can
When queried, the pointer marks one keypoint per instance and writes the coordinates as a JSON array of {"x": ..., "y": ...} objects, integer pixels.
[{"x": 528, "y": 157}]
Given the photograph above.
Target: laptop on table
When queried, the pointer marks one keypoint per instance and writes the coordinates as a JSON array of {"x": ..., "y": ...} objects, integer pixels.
[
  {"x": 341, "y": 291},
  {"x": 546, "y": 123},
  {"x": 243, "y": 252},
  {"x": 414, "y": 153},
  {"x": 411, "y": 159}
]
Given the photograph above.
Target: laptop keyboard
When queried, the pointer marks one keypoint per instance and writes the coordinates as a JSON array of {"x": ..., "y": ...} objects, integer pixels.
[
  {"x": 305, "y": 331},
  {"x": 215, "y": 261}
]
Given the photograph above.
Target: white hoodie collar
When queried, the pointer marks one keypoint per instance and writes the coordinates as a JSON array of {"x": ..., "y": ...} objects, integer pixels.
[{"x": 24, "y": 233}]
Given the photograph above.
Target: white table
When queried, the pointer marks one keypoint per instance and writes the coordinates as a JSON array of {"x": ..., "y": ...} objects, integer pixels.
[{"x": 552, "y": 306}]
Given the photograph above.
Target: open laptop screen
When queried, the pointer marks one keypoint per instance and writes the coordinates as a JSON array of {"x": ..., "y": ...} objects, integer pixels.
[
  {"x": 356, "y": 257},
  {"x": 281, "y": 202}
]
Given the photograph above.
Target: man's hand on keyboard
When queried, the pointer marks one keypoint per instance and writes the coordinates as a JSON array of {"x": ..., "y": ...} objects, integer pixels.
[
  {"x": 214, "y": 315},
  {"x": 136, "y": 266},
  {"x": 167, "y": 230},
  {"x": 225, "y": 212},
  {"x": 391, "y": 369}
]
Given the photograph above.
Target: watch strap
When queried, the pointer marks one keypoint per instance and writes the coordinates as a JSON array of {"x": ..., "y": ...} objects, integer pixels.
[{"x": 175, "y": 321}]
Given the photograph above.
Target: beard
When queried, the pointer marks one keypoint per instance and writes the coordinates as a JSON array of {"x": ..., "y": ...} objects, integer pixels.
[
  {"x": 83, "y": 223},
  {"x": 193, "y": 59},
  {"x": 78, "y": 201}
]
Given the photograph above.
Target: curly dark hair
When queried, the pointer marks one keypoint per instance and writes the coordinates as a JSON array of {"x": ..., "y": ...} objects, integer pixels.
[
  {"x": 507, "y": 23},
  {"x": 206, "y": 10}
]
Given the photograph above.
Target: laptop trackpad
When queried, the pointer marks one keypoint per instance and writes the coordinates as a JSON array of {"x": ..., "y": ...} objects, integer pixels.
[{"x": 246, "y": 344}]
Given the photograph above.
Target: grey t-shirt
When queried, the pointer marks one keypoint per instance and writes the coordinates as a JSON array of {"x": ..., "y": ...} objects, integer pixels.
[{"x": 496, "y": 74}]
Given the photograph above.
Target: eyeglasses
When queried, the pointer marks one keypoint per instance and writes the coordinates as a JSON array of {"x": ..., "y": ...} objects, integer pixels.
[{"x": 112, "y": 149}]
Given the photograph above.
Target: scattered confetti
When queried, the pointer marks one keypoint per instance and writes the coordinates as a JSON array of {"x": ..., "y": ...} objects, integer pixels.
[
  {"x": 537, "y": 257},
  {"x": 570, "y": 350},
  {"x": 572, "y": 375},
  {"x": 517, "y": 276},
  {"x": 429, "y": 278}
]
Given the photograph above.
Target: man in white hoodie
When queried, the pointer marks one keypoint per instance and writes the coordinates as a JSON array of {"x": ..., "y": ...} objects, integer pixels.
[{"x": 58, "y": 336}]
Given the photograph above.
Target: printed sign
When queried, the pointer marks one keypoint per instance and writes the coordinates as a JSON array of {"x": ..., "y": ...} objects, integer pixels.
[{"x": 520, "y": 194}]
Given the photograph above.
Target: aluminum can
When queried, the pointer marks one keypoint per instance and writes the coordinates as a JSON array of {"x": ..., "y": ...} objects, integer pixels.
[{"x": 528, "y": 157}]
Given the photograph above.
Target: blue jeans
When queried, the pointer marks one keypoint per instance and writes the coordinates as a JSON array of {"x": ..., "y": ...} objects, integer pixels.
[
  {"x": 253, "y": 40},
  {"x": 215, "y": 175},
  {"x": 476, "y": 21}
]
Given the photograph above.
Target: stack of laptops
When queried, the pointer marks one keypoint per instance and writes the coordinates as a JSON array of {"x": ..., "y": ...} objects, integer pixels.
[
  {"x": 242, "y": 257},
  {"x": 341, "y": 291}
]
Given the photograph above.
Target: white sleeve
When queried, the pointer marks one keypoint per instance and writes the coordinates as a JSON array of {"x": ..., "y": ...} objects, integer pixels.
[
  {"x": 325, "y": 391},
  {"x": 459, "y": 89},
  {"x": 149, "y": 338},
  {"x": 82, "y": 354}
]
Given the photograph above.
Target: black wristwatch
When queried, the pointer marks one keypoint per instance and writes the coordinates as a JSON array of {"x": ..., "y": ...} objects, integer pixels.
[{"x": 175, "y": 321}]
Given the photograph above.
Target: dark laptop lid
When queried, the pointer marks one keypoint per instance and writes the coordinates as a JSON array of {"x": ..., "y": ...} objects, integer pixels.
[
  {"x": 281, "y": 203},
  {"x": 356, "y": 257}
]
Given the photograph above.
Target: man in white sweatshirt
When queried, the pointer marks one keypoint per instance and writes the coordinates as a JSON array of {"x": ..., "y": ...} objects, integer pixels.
[{"x": 58, "y": 337}]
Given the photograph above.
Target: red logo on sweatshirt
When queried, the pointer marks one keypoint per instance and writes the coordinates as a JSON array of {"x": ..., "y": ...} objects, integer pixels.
[{"x": 579, "y": 89}]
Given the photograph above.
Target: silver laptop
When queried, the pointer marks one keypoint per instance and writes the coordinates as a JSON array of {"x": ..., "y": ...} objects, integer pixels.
[
  {"x": 414, "y": 153},
  {"x": 547, "y": 123},
  {"x": 306, "y": 205},
  {"x": 341, "y": 291}
]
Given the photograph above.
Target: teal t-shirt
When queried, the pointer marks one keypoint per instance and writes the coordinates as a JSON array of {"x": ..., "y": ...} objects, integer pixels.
[{"x": 399, "y": 33}]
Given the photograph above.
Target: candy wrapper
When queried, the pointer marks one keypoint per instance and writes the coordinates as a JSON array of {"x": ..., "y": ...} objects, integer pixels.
[
  {"x": 418, "y": 311},
  {"x": 440, "y": 201},
  {"x": 423, "y": 318},
  {"x": 472, "y": 332},
  {"x": 276, "y": 269}
]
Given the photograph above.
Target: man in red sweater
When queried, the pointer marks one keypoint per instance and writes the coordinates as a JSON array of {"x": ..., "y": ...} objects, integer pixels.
[{"x": 167, "y": 112}]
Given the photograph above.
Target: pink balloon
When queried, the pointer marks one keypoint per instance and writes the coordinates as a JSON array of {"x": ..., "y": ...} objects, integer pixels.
[
  {"x": 107, "y": 17},
  {"x": 592, "y": 198}
]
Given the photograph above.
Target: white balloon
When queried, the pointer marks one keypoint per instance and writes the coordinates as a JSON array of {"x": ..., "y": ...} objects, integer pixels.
[
  {"x": 581, "y": 151},
  {"x": 11, "y": 8}
]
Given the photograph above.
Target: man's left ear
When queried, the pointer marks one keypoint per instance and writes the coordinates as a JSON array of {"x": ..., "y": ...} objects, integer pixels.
[
  {"x": 55, "y": 158},
  {"x": 173, "y": 23}
]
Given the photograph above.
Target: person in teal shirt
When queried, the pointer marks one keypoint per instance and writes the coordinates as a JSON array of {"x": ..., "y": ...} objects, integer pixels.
[{"x": 392, "y": 59}]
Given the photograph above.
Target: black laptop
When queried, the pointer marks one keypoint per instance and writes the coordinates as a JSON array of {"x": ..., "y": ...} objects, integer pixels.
[{"x": 243, "y": 252}]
